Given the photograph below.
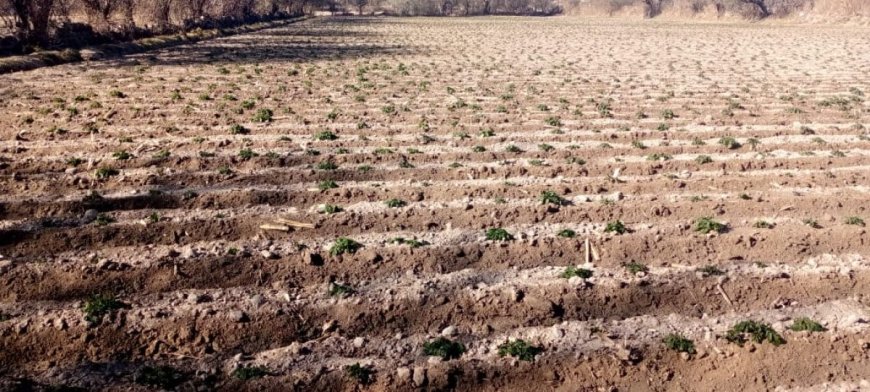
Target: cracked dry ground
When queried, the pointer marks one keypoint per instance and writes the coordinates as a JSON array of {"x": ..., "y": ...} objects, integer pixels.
[{"x": 146, "y": 180}]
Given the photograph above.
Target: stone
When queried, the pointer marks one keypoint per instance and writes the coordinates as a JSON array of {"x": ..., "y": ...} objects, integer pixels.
[
  {"x": 449, "y": 331},
  {"x": 238, "y": 316},
  {"x": 419, "y": 376},
  {"x": 89, "y": 216}
]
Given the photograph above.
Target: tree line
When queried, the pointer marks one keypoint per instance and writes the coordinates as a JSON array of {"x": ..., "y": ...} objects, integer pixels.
[{"x": 40, "y": 23}]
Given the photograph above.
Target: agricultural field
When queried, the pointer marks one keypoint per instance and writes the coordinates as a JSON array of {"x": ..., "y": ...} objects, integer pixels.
[{"x": 493, "y": 204}]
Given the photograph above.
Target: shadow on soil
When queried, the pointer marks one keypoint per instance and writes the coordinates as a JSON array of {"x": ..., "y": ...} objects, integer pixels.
[{"x": 329, "y": 38}]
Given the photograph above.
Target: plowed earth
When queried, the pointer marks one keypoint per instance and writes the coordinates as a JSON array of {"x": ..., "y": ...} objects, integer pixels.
[{"x": 148, "y": 179}]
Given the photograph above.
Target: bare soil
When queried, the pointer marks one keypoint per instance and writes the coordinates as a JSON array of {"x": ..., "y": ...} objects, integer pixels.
[{"x": 150, "y": 179}]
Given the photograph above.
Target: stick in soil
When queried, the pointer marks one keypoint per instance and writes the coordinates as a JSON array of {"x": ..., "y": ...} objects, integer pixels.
[{"x": 273, "y": 227}]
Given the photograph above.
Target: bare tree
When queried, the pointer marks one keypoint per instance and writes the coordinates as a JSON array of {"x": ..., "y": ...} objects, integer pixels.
[
  {"x": 31, "y": 19},
  {"x": 360, "y": 4}
]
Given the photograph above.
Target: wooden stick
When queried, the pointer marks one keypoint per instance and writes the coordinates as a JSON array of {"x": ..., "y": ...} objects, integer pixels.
[
  {"x": 595, "y": 254},
  {"x": 293, "y": 223},
  {"x": 274, "y": 227},
  {"x": 725, "y": 295},
  {"x": 588, "y": 252}
]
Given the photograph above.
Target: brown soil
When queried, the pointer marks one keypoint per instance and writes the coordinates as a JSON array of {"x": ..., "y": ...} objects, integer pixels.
[{"x": 616, "y": 118}]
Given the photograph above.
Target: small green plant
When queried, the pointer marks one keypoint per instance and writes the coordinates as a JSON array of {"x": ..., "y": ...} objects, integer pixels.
[
  {"x": 668, "y": 114},
  {"x": 635, "y": 268},
  {"x": 710, "y": 270},
  {"x": 573, "y": 271},
  {"x": 679, "y": 343},
  {"x": 855, "y": 221},
  {"x": 498, "y": 234},
  {"x": 122, "y": 155},
  {"x": 615, "y": 227},
  {"x": 567, "y": 233},
  {"x": 246, "y": 154},
  {"x": 443, "y": 348},
  {"x": 519, "y": 349},
  {"x": 395, "y": 203},
  {"x": 250, "y": 373},
  {"x": 263, "y": 116},
  {"x": 546, "y": 147},
  {"x": 327, "y": 165},
  {"x": 103, "y": 219},
  {"x": 328, "y": 184},
  {"x": 757, "y": 331},
  {"x": 326, "y": 135},
  {"x": 729, "y": 143},
  {"x": 154, "y": 217},
  {"x": 478, "y": 149},
  {"x": 553, "y": 121},
  {"x": 344, "y": 245},
  {"x": 513, "y": 149},
  {"x": 238, "y": 129},
  {"x": 98, "y": 306},
  {"x": 706, "y": 225},
  {"x": 806, "y": 324},
  {"x": 105, "y": 172},
  {"x": 329, "y": 209},
  {"x": 703, "y": 159},
  {"x": 762, "y": 225},
  {"x": 659, "y": 157},
  {"x": 638, "y": 144},
  {"x": 812, "y": 223},
  {"x": 550, "y": 197},
  {"x": 340, "y": 290},
  {"x": 360, "y": 373},
  {"x": 162, "y": 154},
  {"x": 413, "y": 243},
  {"x": 163, "y": 377}
]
